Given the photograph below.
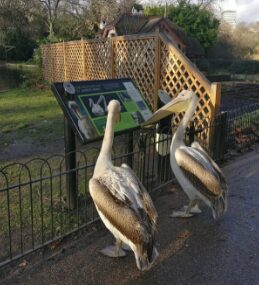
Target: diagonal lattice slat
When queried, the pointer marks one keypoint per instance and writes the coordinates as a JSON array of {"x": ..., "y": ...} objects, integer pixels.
[
  {"x": 136, "y": 59},
  {"x": 176, "y": 77},
  {"x": 97, "y": 56},
  {"x": 57, "y": 52},
  {"x": 53, "y": 62},
  {"x": 46, "y": 62},
  {"x": 74, "y": 59}
]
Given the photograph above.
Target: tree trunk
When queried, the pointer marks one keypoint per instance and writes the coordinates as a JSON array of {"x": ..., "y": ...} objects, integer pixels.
[{"x": 51, "y": 31}]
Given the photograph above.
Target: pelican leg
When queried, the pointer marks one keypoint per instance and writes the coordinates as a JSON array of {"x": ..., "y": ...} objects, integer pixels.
[
  {"x": 187, "y": 211},
  {"x": 114, "y": 250}
]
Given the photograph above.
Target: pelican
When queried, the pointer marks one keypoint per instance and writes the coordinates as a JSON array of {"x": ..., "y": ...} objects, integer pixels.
[
  {"x": 122, "y": 202},
  {"x": 198, "y": 175},
  {"x": 82, "y": 121},
  {"x": 97, "y": 109}
]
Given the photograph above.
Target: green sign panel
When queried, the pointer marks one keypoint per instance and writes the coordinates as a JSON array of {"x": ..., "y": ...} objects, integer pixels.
[{"x": 85, "y": 104}]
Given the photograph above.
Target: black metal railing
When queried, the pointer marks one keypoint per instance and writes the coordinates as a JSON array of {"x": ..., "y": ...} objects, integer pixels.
[
  {"x": 241, "y": 127},
  {"x": 35, "y": 210}
]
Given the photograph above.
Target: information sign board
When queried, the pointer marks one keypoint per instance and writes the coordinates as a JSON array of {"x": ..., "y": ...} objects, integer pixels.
[{"x": 85, "y": 103}]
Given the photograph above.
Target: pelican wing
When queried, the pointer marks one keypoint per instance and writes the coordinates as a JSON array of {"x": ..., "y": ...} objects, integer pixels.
[
  {"x": 198, "y": 168},
  {"x": 144, "y": 196},
  {"x": 223, "y": 182},
  {"x": 127, "y": 221},
  {"x": 125, "y": 186}
]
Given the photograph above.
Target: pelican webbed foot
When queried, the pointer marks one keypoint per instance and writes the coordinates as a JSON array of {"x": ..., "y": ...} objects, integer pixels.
[
  {"x": 114, "y": 250},
  {"x": 188, "y": 211},
  {"x": 194, "y": 210},
  {"x": 181, "y": 214}
]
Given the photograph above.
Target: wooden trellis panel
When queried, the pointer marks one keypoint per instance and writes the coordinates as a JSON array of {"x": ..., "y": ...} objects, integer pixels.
[
  {"x": 53, "y": 62},
  {"x": 135, "y": 58},
  {"x": 57, "y": 65},
  {"x": 74, "y": 61},
  {"x": 46, "y": 62},
  {"x": 177, "y": 74},
  {"x": 97, "y": 58},
  {"x": 152, "y": 61}
]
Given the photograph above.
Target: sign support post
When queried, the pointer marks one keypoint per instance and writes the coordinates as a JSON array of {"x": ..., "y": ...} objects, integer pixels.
[{"x": 70, "y": 154}]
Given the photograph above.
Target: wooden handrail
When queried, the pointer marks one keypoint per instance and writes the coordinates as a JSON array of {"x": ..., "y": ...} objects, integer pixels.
[
  {"x": 135, "y": 37},
  {"x": 119, "y": 38}
]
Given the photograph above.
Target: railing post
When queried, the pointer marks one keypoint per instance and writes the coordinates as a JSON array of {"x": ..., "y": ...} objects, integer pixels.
[
  {"x": 112, "y": 70},
  {"x": 219, "y": 128},
  {"x": 157, "y": 70},
  {"x": 223, "y": 130},
  {"x": 215, "y": 97},
  {"x": 83, "y": 59},
  {"x": 70, "y": 152},
  {"x": 130, "y": 148},
  {"x": 65, "y": 61}
]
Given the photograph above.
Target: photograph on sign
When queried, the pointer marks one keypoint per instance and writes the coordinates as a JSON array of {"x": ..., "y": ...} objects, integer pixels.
[
  {"x": 94, "y": 106},
  {"x": 83, "y": 123}
]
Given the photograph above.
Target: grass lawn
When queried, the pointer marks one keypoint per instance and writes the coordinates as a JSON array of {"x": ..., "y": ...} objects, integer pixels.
[
  {"x": 32, "y": 117},
  {"x": 29, "y": 114}
]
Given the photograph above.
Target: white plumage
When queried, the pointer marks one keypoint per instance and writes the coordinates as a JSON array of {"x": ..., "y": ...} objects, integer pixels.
[
  {"x": 122, "y": 202},
  {"x": 199, "y": 176}
]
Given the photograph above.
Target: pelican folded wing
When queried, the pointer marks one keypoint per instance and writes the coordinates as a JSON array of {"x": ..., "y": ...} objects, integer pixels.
[{"x": 199, "y": 169}]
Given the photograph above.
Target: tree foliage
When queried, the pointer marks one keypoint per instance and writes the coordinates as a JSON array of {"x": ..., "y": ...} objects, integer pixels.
[
  {"x": 16, "y": 29},
  {"x": 195, "y": 19},
  {"x": 25, "y": 24},
  {"x": 99, "y": 10},
  {"x": 241, "y": 42}
]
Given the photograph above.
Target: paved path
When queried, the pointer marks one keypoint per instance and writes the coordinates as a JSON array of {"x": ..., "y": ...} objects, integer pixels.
[{"x": 192, "y": 251}]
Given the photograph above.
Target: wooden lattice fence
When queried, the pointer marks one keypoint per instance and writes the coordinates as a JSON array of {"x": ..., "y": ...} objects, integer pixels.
[{"x": 152, "y": 61}]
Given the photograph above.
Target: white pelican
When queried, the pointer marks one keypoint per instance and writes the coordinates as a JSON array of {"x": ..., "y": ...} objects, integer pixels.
[
  {"x": 82, "y": 121},
  {"x": 199, "y": 176},
  {"x": 96, "y": 108},
  {"x": 122, "y": 202}
]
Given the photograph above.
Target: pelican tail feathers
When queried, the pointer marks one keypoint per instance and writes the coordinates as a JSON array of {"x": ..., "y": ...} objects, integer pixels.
[
  {"x": 219, "y": 206},
  {"x": 145, "y": 256}
]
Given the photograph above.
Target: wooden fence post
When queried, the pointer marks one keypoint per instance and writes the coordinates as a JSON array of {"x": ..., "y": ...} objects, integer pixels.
[
  {"x": 83, "y": 59},
  {"x": 112, "y": 70},
  {"x": 43, "y": 67},
  {"x": 215, "y": 96},
  {"x": 52, "y": 63},
  {"x": 157, "y": 70},
  {"x": 65, "y": 61}
]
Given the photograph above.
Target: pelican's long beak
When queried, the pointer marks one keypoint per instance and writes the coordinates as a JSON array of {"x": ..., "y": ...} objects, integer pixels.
[{"x": 175, "y": 105}]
